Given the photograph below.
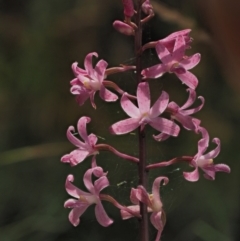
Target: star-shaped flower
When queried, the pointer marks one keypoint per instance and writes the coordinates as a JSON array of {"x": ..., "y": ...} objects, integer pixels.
[
  {"x": 84, "y": 149},
  {"x": 182, "y": 114},
  {"x": 144, "y": 114},
  {"x": 174, "y": 62},
  {"x": 205, "y": 161},
  {"x": 90, "y": 80},
  {"x": 84, "y": 199}
]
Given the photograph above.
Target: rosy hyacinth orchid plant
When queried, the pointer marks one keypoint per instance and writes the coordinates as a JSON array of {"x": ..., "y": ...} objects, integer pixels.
[{"x": 163, "y": 116}]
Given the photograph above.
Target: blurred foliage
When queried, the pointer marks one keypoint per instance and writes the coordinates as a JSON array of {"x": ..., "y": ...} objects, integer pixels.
[{"x": 39, "y": 40}]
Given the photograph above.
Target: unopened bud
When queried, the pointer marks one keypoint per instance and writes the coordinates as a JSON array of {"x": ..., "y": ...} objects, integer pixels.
[
  {"x": 123, "y": 28},
  {"x": 128, "y": 8},
  {"x": 147, "y": 7}
]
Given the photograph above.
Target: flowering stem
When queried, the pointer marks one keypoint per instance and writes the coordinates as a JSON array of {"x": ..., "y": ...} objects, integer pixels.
[
  {"x": 106, "y": 147},
  {"x": 170, "y": 162},
  {"x": 142, "y": 172}
]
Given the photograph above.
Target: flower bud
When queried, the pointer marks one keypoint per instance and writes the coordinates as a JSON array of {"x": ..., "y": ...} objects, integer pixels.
[
  {"x": 123, "y": 28},
  {"x": 128, "y": 8}
]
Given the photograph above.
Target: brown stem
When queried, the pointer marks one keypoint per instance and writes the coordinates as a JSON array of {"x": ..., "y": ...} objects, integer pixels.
[
  {"x": 142, "y": 172},
  {"x": 170, "y": 162},
  {"x": 106, "y": 147}
]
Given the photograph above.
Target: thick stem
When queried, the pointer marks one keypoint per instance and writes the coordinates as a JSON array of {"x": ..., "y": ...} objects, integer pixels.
[{"x": 142, "y": 172}]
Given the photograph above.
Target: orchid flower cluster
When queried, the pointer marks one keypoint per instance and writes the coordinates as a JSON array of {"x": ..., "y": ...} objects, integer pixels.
[{"x": 173, "y": 59}]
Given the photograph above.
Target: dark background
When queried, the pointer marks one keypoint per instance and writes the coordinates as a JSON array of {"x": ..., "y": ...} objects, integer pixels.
[{"x": 39, "y": 40}]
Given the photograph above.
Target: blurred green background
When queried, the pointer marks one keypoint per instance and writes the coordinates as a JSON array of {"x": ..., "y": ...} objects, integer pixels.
[{"x": 39, "y": 40}]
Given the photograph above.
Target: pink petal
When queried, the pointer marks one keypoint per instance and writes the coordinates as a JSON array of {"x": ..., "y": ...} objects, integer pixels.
[
  {"x": 214, "y": 153},
  {"x": 100, "y": 69},
  {"x": 143, "y": 196},
  {"x": 88, "y": 63},
  {"x": 143, "y": 97},
  {"x": 107, "y": 95},
  {"x": 163, "y": 54},
  {"x": 82, "y": 127},
  {"x": 186, "y": 121},
  {"x": 191, "y": 99},
  {"x": 161, "y": 137},
  {"x": 191, "y": 61},
  {"x": 176, "y": 34},
  {"x": 73, "y": 190},
  {"x": 75, "y": 157},
  {"x": 124, "y": 126},
  {"x": 82, "y": 97},
  {"x": 155, "y": 71},
  {"x": 191, "y": 176},
  {"x": 133, "y": 196},
  {"x": 179, "y": 48},
  {"x": 196, "y": 109},
  {"x": 129, "y": 107},
  {"x": 156, "y": 220},
  {"x": 77, "y": 70},
  {"x": 100, "y": 183},
  {"x": 73, "y": 203},
  {"x": 188, "y": 79},
  {"x": 156, "y": 192},
  {"x": 202, "y": 143},
  {"x": 165, "y": 126},
  {"x": 222, "y": 168},
  {"x": 75, "y": 214},
  {"x": 102, "y": 216},
  {"x": 75, "y": 141},
  {"x": 91, "y": 95},
  {"x": 92, "y": 139},
  {"x": 87, "y": 179},
  {"x": 160, "y": 105}
]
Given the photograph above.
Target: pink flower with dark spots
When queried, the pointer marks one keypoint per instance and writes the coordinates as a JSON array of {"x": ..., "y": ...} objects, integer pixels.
[
  {"x": 84, "y": 149},
  {"x": 205, "y": 161},
  {"x": 174, "y": 62},
  {"x": 143, "y": 114},
  {"x": 84, "y": 199},
  {"x": 153, "y": 202},
  {"x": 90, "y": 80}
]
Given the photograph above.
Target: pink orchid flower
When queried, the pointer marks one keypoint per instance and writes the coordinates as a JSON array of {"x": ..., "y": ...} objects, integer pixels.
[
  {"x": 144, "y": 114},
  {"x": 175, "y": 62},
  {"x": 84, "y": 199},
  {"x": 153, "y": 202},
  {"x": 182, "y": 115},
  {"x": 90, "y": 80},
  {"x": 86, "y": 148},
  {"x": 205, "y": 161}
]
